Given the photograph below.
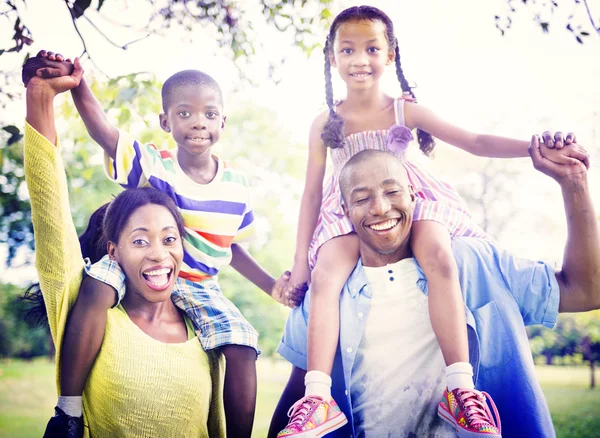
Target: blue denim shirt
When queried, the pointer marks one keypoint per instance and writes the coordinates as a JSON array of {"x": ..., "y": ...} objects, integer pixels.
[{"x": 502, "y": 295}]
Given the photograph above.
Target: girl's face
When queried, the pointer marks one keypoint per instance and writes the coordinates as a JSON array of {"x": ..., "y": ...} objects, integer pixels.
[
  {"x": 150, "y": 252},
  {"x": 361, "y": 52}
]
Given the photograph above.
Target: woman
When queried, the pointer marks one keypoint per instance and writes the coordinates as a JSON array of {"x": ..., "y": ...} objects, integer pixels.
[{"x": 152, "y": 377}]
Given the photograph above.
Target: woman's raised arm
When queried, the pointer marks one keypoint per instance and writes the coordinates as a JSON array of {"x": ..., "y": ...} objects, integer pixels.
[{"x": 58, "y": 256}]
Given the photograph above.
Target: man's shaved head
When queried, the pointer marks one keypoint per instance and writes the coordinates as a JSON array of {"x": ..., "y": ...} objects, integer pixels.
[{"x": 369, "y": 157}]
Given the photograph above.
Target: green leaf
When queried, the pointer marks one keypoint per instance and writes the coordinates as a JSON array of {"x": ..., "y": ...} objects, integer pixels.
[
  {"x": 124, "y": 116},
  {"x": 11, "y": 129},
  {"x": 79, "y": 7},
  {"x": 127, "y": 94}
]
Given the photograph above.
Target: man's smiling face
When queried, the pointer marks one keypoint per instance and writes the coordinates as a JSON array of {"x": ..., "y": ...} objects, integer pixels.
[{"x": 379, "y": 202}]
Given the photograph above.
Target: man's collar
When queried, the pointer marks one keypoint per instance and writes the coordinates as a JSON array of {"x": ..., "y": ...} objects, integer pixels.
[{"x": 358, "y": 279}]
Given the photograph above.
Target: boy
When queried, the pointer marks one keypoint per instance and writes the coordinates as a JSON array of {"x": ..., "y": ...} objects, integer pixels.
[{"x": 214, "y": 201}]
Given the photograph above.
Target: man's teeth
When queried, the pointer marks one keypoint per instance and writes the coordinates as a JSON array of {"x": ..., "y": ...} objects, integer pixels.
[{"x": 384, "y": 225}]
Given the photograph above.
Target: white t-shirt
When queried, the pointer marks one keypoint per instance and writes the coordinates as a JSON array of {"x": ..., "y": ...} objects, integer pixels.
[{"x": 398, "y": 377}]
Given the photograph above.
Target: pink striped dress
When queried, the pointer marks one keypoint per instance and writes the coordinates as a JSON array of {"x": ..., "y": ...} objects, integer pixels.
[{"x": 436, "y": 200}]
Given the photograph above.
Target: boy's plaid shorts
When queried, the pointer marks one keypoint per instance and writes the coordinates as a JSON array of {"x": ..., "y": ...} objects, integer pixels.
[{"x": 217, "y": 320}]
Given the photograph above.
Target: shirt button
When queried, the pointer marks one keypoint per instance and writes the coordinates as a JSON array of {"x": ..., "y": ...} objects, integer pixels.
[
  {"x": 391, "y": 278},
  {"x": 360, "y": 315},
  {"x": 348, "y": 350},
  {"x": 390, "y": 271}
]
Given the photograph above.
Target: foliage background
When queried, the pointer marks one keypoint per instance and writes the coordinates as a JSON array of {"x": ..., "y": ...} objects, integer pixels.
[{"x": 474, "y": 63}]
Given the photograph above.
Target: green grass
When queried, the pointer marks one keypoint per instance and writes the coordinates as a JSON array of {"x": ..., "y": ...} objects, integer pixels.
[
  {"x": 27, "y": 396},
  {"x": 574, "y": 407}
]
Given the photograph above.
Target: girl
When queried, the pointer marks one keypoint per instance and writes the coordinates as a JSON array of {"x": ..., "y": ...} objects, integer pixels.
[{"x": 361, "y": 43}]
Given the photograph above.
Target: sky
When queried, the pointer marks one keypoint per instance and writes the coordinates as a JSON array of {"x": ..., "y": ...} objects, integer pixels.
[{"x": 512, "y": 85}]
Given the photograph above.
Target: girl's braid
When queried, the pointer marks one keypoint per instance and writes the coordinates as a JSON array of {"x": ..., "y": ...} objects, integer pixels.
[
  {"x": 332, "y": 134},
  {"x": 426, "y": 141}
]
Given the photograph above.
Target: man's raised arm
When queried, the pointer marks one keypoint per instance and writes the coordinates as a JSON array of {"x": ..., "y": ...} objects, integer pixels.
[{"x": 579, "y": 278}]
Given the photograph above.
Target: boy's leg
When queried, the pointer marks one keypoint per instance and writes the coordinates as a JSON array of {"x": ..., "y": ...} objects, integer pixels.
[
  {"x": 239, "y": 391},
  {"x": 222, "y": 326},
  {"x": 83, "y": 335}
]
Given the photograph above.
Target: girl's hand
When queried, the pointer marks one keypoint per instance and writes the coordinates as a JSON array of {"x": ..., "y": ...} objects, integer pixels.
[
  {"x": 556, "y": 140},
  {"x": 563, "y": 151},
  {"x": 300, "y": 275}
]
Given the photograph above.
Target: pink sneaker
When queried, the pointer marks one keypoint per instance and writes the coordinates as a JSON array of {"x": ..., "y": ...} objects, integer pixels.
[
  {"x": 313, "y": 417},
  {"x": 468, "y": 412}
]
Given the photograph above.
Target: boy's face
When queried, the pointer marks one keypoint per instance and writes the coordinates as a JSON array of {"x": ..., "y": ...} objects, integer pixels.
[{"x": 195, "y": 118}]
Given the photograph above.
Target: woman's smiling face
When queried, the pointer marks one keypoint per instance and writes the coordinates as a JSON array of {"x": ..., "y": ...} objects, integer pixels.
[{"x": 150, "y": 252}]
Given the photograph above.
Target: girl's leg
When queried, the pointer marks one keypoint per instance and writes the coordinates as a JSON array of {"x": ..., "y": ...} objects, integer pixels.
[
  {"x": 432, "y": 248},
  {"x": 337, "y": 259},
  {"x": 431, "y": 245}
]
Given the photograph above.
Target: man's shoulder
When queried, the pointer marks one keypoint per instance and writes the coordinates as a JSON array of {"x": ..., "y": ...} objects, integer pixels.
[{"x": 467, "y": 249}]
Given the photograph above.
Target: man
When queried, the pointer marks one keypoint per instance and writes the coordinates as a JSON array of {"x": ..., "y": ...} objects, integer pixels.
[{"x": 389, "y": 370}]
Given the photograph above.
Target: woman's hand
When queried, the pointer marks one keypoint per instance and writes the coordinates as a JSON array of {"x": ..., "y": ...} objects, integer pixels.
[{"x": 46, "y": 79}]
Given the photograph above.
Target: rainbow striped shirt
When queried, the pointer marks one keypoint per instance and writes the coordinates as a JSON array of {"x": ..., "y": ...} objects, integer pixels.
[{"x": 215, "y": 215}]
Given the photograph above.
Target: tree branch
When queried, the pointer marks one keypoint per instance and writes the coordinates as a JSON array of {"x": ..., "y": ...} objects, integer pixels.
[
  {"x": 124, "y": 46},
  {"x": 587, "y": 8}
]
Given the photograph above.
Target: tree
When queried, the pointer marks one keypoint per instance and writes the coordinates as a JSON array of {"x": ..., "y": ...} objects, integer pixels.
[
  {"x": 574, "y": 333},
  {"x": 234, "y": 29},
  {"x": 19, "y": 337},
  {"x": 544, "y": 13},
  {"x": 234, "y": 25}
]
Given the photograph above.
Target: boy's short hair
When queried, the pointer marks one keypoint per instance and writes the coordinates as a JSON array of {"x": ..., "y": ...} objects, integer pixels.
[{"x": 183, "y": 79}]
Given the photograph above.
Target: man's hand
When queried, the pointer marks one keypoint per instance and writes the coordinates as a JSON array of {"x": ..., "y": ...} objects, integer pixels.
[
  {"x": 46, "y": 65},
  {"x": 559, "y": 172},
  {"x": 285, "y": 293}
]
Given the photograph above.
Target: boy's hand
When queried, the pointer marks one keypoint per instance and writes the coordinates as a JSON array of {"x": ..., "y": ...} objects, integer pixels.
[
  {"x": 563, "y": 151},
  {"x": 286, "y": 294},
  {"x": 46, "y": 65}
]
